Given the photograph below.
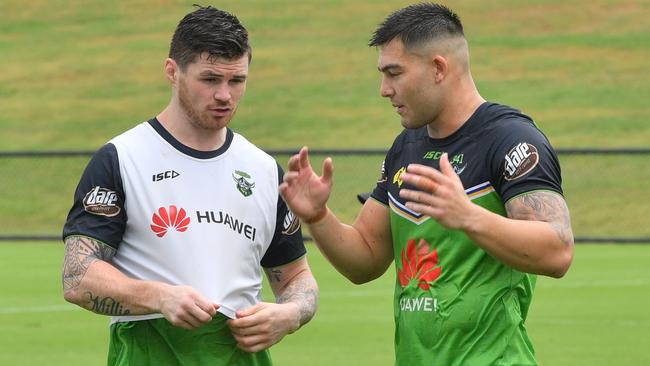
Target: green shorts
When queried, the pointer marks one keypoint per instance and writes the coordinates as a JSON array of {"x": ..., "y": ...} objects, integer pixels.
[{"x": 156, "y": 342}]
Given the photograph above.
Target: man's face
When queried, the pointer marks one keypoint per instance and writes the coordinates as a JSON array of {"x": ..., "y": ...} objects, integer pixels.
[
  {"x": 409, "y": 82},
  {"x": 209, "y": 91}
]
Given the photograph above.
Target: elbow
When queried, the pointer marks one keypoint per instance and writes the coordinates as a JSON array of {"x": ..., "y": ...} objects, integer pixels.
[
  {"x": 71, "y": 296},
  {"x": 561, "y": 263},
  {"x": 361, "y": 278}
]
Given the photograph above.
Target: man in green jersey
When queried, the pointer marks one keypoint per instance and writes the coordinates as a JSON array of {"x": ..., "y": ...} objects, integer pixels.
[{"x": 469, "y": 204}]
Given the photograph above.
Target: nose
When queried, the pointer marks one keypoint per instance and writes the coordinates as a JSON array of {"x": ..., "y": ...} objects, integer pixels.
[
  {"x": 386, "y": 90},
  {"x": 222, "y": 93}
]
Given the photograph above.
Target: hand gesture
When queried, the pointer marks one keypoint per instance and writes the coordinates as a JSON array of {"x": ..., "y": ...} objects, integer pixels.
[
  {"x": 441, "y": 194},
  {"x": 305, "y": 192},
  {"x": 185, "y": 307},
  {"x": 263, "y": 325}
]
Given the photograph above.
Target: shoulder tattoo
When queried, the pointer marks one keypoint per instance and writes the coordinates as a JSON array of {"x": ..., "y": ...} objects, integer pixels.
[{"x": 544, "y": 206}]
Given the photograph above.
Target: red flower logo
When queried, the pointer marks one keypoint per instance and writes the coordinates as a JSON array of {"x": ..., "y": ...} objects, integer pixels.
[
  {"x": 166, "y": 218},
  {"x": 419, "y": 264}
]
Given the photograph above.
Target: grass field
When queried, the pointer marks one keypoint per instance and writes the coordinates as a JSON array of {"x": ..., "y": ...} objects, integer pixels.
[
  {"x": 596, "y": 315},
  {"x": 75, "y": 73}
]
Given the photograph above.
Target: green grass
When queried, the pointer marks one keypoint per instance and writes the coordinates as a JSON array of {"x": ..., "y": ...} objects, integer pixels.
[
  {"x": 596, "y": 315},
  {"x": 76, "y": 73}
]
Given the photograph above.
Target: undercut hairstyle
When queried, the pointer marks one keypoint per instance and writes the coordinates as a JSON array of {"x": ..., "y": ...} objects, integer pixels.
[
  {"x": 212, "y": 31},
  {"x": 417, "y": 24}
]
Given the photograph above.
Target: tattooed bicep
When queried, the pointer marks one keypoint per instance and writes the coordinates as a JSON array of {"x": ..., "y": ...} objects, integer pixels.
[
  {"x": 88, "y": 247},
  {"x": 539, "y": 206},
  {"x": 80, "y": 253},
  {"x": 543, "y": 206}
]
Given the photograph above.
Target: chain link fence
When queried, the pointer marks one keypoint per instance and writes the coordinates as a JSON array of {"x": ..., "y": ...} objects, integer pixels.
[{"x": 606, "y": 190}]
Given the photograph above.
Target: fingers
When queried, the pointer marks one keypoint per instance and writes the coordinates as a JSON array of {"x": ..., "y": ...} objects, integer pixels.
[
  {"x": 294, "y": 163},
  {"x": 304, "y": 158},
  {"x": 249, "y": 311},
  {"x": 328, "y": 170}
]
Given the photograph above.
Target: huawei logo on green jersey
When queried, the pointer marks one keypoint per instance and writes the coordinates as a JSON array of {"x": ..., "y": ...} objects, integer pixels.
[
  {"x": 419, "y": 265},
  {"x": 244, "y": 186}
]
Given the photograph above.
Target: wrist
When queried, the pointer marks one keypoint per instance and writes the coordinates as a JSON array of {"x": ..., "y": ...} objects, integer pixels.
[{"x": 319, "y": 216}]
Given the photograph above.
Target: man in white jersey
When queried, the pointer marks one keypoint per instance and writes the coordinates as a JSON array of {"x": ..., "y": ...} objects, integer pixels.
[{"x": 173, "y": 221}]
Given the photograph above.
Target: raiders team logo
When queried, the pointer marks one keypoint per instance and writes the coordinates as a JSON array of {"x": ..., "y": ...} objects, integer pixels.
[
  {"x": 101, "y": 201},
  {"x": 397, "y": 178},
  {"x": 520, "y": 160},
  {"x": 291, "y": 223},
  {"x": 244, "y": 186}
]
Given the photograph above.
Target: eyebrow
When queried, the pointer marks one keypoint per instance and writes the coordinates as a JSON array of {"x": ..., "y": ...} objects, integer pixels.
[
  {"x": 388, "y": 67},
  {"x": 209, "y": 73}
]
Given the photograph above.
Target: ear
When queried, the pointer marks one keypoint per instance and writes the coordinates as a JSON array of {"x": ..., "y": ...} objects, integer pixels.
[
  {"x": 441, "y": 67},
  {"x": 171, "y": 71}
]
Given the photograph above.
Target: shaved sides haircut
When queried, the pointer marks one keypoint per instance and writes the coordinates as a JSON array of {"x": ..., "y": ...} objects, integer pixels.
[{"x": 418, "y": 24}]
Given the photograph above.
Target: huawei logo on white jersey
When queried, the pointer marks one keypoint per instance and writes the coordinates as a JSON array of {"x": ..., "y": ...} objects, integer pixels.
[{"x": 167, "y": 218}]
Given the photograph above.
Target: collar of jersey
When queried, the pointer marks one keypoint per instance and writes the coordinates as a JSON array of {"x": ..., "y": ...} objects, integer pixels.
[{"x": 186, "y": 149}]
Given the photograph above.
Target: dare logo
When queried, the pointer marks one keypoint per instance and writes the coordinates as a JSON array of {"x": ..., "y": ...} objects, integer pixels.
[
  {"x": 101, "y": 201},
  {"x": 520, "y": 160}
]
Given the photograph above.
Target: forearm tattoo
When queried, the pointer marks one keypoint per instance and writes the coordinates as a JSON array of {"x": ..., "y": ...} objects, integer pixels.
[
  {"x": 543, "y": 206},
  {"x": 301, "y": 290},
  {"x": 106, "y": 305},
  {"x": 80, "y": 253}
]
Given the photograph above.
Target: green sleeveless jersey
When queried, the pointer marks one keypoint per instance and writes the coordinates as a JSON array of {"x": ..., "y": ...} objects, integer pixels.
[{"x": 455, "y": 304}]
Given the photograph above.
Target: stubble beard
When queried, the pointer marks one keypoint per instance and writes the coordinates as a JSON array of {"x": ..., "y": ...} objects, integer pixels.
[{"x": 198, "y": 119}]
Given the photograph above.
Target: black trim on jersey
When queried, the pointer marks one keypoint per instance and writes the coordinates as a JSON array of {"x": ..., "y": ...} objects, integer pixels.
[
  {"x": 484, "y": 139},
  {"x": 102, "y": 171},
  {"x": 186, "y": 149},
  {"x": 284, "y": 248}
]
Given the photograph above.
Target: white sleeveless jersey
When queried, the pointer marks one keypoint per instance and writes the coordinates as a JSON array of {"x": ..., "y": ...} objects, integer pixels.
[{"x": 188, "y": 217}]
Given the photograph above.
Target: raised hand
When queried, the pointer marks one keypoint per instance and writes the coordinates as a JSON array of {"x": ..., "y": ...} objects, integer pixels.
[
  {"x": 441, "y": 194},
  {"x": 305, "y": 192}
]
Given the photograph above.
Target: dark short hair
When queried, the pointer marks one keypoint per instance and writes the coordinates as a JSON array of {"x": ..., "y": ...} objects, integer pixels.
[
  {"x": 417, "y": 24},
  {"x": 210, "y": 30}
]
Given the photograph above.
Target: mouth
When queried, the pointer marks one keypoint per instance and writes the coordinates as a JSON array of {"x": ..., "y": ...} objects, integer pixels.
[
  {"x": 221, "y": 111},
  {"x": 399, "y": 108}
]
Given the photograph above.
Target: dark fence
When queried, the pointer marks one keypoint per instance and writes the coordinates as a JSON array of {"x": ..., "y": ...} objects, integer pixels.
[{"x": 12, "y": 161}]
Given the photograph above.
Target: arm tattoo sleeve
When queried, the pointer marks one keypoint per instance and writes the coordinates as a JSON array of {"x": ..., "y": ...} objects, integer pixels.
[
  {"x": 80, "y": 253},
  {"x": 544, "y": 206},
  {"x": 299, "y": 290}
]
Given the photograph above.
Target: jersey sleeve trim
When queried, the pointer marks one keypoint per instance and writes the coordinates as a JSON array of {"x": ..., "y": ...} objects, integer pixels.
[{"x": 533, "y": 191}]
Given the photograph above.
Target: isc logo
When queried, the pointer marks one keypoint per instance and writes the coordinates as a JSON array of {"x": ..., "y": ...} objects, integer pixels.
[{"x": 170, "y": 174}]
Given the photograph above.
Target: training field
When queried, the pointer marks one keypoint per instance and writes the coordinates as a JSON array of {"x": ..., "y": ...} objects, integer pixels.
[
  {"x": 76, "y": 73},
  {"x": 596, "y": 315}
]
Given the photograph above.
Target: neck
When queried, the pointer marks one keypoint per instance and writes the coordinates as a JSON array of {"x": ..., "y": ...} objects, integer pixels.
[
  {"x": 457, "y": 109},
  {"x": 179, "y": 125}
]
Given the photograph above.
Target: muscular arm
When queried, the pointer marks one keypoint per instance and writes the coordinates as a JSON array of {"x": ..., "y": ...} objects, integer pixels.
[
  {"x": 295, "y": 284},
  {"x": 536, "y": 236},
  {"x": 362, "y": 251},
  {"x": 265, "y": 324},
  {"x": 90, "y": 281}
]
